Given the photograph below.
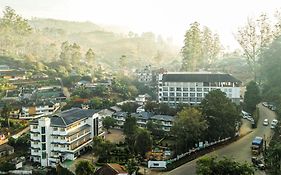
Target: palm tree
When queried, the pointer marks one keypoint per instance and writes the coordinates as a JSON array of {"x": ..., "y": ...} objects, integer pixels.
[{"x": 84, "y": 168}]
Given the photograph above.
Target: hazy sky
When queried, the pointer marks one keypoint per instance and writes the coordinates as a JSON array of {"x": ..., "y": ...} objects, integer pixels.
[{"x": 169, "y": 18}]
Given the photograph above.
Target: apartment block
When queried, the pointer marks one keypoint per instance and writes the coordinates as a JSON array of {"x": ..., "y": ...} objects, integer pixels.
[
  {"x": 191, "y": 88},
  {"x": 63, "y": 136}
]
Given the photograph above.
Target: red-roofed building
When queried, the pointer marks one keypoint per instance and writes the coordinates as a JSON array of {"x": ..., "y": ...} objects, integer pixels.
[{"x": 112, "y": 169}]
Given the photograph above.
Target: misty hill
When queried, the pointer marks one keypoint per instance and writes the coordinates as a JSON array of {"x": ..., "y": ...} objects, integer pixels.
[{"x": 109, "y": 45}]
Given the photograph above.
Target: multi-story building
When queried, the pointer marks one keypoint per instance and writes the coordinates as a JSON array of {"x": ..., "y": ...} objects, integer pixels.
[
  {"x": 63, "y": 136},
  {"x": 145, "y": 75},
  {"x": 37, "y": 109},
  {"x": 142, "y": 118},
  {"x": 191, "y": 88},
  {"x": 164, "y": 121},
  {"x": 120, "y": 118}
]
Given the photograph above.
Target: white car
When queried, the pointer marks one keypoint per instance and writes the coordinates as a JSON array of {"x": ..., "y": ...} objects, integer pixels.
[
  {"x": 273, "y": 123},
  {"x": 265, "y": 122}
]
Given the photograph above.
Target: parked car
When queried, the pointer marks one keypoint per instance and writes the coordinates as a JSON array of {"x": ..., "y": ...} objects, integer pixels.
[
  {"x": 273, "y": 123},
  {"x": 265, "y": 122},
  {"x": 265, "y": 104},
  {"x": 258, "y": 162}
]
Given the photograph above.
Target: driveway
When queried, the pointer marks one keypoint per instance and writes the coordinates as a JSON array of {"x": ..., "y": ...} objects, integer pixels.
[{"x": 239, "y": 150}]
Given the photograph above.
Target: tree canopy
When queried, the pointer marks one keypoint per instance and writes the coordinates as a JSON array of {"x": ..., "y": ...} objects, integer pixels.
[
  {"x": 188, "y": 128},
  {"x": 84, "y": 168},
  {"x": 221, "y": 114},
  {"x": 251, "y": 97},
  {"x": 213, "y": 166}
]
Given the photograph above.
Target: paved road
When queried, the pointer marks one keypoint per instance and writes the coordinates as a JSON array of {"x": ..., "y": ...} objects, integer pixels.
[{"x": 239, "y": 150}]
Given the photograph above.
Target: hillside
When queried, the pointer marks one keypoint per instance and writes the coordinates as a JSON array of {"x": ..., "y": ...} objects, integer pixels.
[{"x": 108, "y": 46}]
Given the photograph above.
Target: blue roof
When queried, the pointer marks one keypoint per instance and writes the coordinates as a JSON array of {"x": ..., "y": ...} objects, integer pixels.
[{"x": 257, "y": 141}]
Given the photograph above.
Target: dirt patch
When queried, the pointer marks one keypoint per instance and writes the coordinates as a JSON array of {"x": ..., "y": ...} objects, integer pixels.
[{"x": 115, "y": 136}]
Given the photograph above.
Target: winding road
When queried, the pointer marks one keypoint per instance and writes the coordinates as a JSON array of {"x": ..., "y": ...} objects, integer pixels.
[{"x": 239, "y": 150}]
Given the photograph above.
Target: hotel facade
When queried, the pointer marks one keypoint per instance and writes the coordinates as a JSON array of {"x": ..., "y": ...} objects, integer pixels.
[{"x": 191, "y": 88}]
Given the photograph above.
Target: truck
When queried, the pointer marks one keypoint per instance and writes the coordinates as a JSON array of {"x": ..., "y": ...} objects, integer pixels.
[{"x": 257, "y": 145}]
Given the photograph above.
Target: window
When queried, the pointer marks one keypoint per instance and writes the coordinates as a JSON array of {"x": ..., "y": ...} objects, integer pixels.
[
  {"x": 62, "y": 137},
  {"x": 62, "y": 129},
  {"x": 55, "y": 128},
  {"x": 199, "y": 99},
  {"x": 44, "y": 155},
  {"x": 172, "y": 94},
  {"x": 192, "y": 94},
  {"x": 172, "y": 98},
  {"x": 165, "y": 88},
  {"x": 172, "y": 88},
  {"x": 178, "y": 94},
  {"x": 185, "y": 94},
  {"x": 192, "y": 89},
  {"x": 43, "y": 130},
  {"x": 56, "y": 145},
  {"x": 35, "y": 135},
  {"x": 199, "y": 89},
  {"x": 43, "y": 146},
  {"x": 229, "y": 90},
  {"x": 165, "y": 94},
  {"x": 199, "y": 94},
  {"x": 185, "y": 89},
  {"x": 35, "y": 127},
  {"x": 56, "y": 137},
  {"x": 206, "y": 89},
  {"x": 165, "y": 98},
  {"x": 192, "y": 99},
  {"x": 36, "y": 151},
  {"x": 43, "y": 138},
  {"x": 212, "y": 89},
  {"x": 178, "y": 89},
  {"x": 185, "y": 99}
]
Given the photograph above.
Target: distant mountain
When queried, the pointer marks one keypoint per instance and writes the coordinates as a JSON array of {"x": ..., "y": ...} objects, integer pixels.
[{"x": 68, "y": 26}]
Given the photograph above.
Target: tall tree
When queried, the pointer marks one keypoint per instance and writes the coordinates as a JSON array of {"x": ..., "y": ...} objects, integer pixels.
[
  {"x": 192, "y": 49},
  {"x": 84, "y": 168},
  {"x": 90, "y": 56},
  {"x": 200, "y": 49},
  {"x": 76, "y": 54},
  {"x": 5, "y": 113},
  {"x": 188, "y": 128},
  {"x": 270, "y": 69},
  {"x": 130, "y": 130},
  {"x": 143, "y": 142},
  {"x": 108, "y": 122},
  {"x": 252, "y": 96},
  {"x": 213, "y": 166},
  {"x": 254, "y": 38},
  {"x": 218, "y": 109}
]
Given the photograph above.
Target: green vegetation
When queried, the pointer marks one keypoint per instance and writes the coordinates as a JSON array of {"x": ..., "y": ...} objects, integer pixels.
[
  {"x": 188, "y": 129},
  {"x": 143, "y": 142},
  {"x": 84, "y": 168},
  {"x": 108, "y": 122},
  {"x": 218, "y": 109},
  {"x": 200, "y": 49},
  {"x": 213, "y": 166},
  {"x": 251, "y": 97}
]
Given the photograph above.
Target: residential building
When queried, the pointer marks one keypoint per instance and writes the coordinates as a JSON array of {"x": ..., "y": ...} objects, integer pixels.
[
  {"x": 165, "y": 121},
  {"x": 6, "y": 150},
  {"x": 142, "y": 118},
  {"x": 120, "y": 118},
  {"x": 63, "y": 136},
  {"x": 191, "y": 88},
  {"x": 38, "y": 109},
  {"x": 141, "y": 99},
  {"x": 145, "y": 75},
  {"x": 13, "y": 74},
  {"x": 112, "y": 169}
]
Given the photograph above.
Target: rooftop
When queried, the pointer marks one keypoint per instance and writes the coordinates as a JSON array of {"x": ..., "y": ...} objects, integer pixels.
[
  {"x": 198, "y": 77},
  {"x": 66, "y": 118},
  {"x": 163, "y": 117}
]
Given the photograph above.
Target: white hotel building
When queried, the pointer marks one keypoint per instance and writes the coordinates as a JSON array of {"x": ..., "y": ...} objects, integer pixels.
[
  {"x": 190, "y": 88},
  {"x": 63, "y": 136}
]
